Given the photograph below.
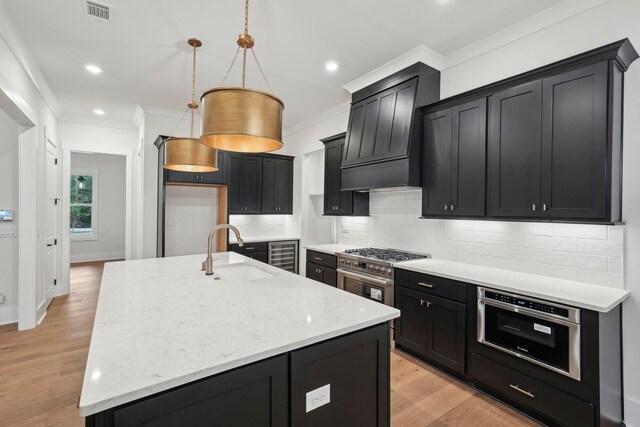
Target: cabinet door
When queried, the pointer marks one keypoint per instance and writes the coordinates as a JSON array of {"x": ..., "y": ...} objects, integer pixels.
[
  {"x": 411, "y": 326},
  {"x": 217, "y": 401},
  {"x": 219, "y": 176},
  {"x": 284, "y": 186},
  {"x": 380, "y": 126},
  {"x": 269, "y": 187},
  {"x": 468, "y": 154},
  {"x": 436, "y": 188},
  {"x": 514, "y": 151},
  {"x": 574, "y": 143},
  {"x": 251, "y": 184},
  {"x": 345, "y": 198},
  {"x": 235, "y": 187},
  {"x": 315, "y": 272},
  {"x": 446, "y": 333},
  {"x": 332, "y": 157}
]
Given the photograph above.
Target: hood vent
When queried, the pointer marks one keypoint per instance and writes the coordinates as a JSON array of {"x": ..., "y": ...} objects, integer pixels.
[
  {"x": 98, "y": 11},
  {"x": 384, "y": 144}
]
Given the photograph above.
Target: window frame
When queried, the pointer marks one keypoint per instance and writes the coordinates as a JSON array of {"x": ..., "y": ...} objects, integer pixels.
[{"x": 94, "y": 173}]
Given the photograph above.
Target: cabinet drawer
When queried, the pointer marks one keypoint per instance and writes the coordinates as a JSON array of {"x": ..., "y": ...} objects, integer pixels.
[
  {"x": 529, "y": 393},
  {"x": 249, "y": 248},
  {"x": 433, "y": 285},
  {"x": 322, "y": 259}
]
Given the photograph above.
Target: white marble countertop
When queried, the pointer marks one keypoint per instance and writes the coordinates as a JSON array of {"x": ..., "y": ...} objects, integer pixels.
[
  {"x": 161, "y": 322},
  {"x": 592, "y": 297},
  {"x": 330, "y": 248},
  {"x": 232, "y": 238}
]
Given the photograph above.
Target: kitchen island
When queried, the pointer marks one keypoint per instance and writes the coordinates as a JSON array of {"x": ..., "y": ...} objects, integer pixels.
[{"x": 251, "y": 345}]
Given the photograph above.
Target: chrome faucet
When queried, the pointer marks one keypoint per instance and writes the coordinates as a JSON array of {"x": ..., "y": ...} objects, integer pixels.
[{"x": 207, "y": 264}]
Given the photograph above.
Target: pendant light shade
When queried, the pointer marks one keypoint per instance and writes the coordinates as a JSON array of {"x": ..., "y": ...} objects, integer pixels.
[
  {"x": 242, "y": 120},
  {"x": 188, "y": 155}
]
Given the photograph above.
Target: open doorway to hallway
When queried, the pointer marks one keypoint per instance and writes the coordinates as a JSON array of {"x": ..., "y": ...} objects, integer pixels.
[{"x": 97, "y": 208}]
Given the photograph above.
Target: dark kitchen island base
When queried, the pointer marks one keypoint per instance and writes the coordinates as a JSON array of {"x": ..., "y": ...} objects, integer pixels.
[{"x": 273, "y": 392}]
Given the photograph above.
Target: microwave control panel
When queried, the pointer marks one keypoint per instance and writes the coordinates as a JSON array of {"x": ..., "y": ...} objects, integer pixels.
[{"x": 523, "y": 302}]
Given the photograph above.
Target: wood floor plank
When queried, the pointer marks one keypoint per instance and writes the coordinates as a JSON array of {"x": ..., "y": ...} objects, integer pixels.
[{"x": 41, "y": 373}]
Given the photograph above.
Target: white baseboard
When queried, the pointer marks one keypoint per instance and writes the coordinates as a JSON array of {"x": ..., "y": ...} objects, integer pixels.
[
  {"x": 631, "y": 412},
  {"x": 8, "y": 315},
  {"x": 105, "y": 256}
]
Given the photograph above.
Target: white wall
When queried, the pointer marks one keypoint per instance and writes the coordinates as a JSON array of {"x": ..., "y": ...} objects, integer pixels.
[
  {"x": 29, "y": 93},
  {"x": 9, "y": 200},
  {"x": 110, "y": 243},
  {"x": 583, "y": 253}
]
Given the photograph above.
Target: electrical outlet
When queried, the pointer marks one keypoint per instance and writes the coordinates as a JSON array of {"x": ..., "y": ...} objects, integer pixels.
[
  {"x": 2, "y": 296},
  {"x": 318, "y": 397}
]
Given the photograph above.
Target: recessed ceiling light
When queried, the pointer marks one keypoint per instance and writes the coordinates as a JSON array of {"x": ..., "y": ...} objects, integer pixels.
[
  {"x": 331, "y": 66},
  {"x": 98, "y": 112},
  {"x": 93, "y": 69}
]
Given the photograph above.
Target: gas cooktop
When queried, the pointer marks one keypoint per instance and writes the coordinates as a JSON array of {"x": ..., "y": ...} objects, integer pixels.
[{"x": 386, "y": 255}]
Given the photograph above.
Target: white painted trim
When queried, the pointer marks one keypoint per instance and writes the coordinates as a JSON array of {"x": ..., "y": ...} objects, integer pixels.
[
  {"x": 10, "y": 33},
  {"x": 8, "y": 315},
  {"x": 67, "y": 148},
  {"x": 419, "y": 54},
  {"x": 631, "y": 410},
  {"x": 105, "y": 256}
]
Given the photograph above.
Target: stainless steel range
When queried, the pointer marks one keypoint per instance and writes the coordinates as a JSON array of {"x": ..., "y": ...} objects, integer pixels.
[{"x": 368, "y": 272}]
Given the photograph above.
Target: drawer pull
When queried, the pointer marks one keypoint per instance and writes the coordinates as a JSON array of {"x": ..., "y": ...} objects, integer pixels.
[
  {"x": 422, "y": 302},
  {"x": 525, "y": 392},
  {"x": 426, "y": 285},
  {"x": 249, "y": 249},
  {"x": 317, "y": 258},
  {"x": 318, "y": 270}
]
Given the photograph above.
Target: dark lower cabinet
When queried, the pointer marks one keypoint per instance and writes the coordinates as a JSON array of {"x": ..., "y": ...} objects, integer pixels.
[
  {"x": 256, "y": 250},
  {"x": 272, "y": 393},
  {"x": 322, "y": 274},
  {"x": 356, "y": 367},
  {"x": 432, "y": 328}
]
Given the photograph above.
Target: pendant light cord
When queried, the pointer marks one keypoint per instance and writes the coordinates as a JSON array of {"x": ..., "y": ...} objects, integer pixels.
[{"x": 244, "y": 54}]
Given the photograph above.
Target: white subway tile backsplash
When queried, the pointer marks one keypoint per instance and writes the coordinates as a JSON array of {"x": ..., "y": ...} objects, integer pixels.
[{"x": 586, "y": 253}]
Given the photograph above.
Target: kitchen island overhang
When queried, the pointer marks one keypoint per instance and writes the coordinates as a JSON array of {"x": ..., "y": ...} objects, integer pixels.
[{"x": 162, "y": 324}]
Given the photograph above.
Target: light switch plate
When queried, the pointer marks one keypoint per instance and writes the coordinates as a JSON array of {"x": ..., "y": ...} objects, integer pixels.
[
  {"x": 318, "y": 397},
  {"x": 8, "y": 232}
]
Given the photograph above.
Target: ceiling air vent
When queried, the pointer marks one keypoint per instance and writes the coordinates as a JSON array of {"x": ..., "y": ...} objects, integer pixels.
[{"x": 98, "y": 11}]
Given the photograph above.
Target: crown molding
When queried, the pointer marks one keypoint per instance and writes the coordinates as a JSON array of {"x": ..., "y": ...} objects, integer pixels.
[
  {"x": 419, "y": 54},
  {"x": 9, "y": 32},
  {"x": 97, "y": 122}
]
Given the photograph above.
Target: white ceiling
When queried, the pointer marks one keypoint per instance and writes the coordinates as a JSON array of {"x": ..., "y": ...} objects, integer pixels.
[{"x": 146, "y": 60}]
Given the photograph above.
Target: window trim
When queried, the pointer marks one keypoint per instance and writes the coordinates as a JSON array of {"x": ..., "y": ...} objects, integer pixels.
[{"x": 95, "y": 177}]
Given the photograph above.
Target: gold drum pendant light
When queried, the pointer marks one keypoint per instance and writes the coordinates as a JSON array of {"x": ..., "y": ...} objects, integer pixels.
[
  {"x": 241, "y": 119},
  {"x": 187, "y": 154}
]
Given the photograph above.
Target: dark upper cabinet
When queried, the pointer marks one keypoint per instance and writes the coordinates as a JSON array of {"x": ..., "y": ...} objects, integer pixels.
[
  {"x": 245, "y": 184},
  {"x": 454, "y": 163},
  {"x": 277, "y": 186},
  {"x": 514, "y": 151},
  {"x": 379, "y": 126},
  {"x": 218, "y": 177},
  {"x": 338, "y": 202},
  {"x": 574, "y": 144}
]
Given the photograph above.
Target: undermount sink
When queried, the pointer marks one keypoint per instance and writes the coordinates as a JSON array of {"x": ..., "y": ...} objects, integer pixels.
[{"x": 240, "y": 272}]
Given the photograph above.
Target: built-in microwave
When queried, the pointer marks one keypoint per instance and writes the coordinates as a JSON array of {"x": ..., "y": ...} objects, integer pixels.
[{"x": 544, "y": 333}]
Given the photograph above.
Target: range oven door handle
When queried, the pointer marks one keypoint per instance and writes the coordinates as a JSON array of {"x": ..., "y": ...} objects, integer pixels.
[{"x": 364, "y": 278}]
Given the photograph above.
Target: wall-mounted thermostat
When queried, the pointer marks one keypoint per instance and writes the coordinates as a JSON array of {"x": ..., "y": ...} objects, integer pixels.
[{"x": 6, "y": 215}]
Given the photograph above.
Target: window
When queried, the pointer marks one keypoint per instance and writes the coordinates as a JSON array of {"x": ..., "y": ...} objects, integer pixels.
[{"x": 83, "y": 215}]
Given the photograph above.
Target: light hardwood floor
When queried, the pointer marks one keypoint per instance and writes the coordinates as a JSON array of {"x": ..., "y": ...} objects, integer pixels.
[{"x": 41, "y": 373}]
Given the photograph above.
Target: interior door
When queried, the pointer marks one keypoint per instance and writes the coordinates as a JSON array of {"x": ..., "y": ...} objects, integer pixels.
[{"x": 52, "y": 216}]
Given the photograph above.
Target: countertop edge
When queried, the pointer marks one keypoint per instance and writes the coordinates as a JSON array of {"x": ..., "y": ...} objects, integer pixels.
[
  {"x": 94, "y": 408},
  {"x": 623, "y": 294}
]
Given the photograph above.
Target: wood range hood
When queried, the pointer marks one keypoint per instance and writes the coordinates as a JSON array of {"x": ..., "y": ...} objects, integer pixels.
[{"x": 383, "y": 142}]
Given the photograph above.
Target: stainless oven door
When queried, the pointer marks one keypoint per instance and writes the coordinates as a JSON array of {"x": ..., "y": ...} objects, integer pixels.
[
  {"x": 374, "y": 288},
  {"x": 543, "y": 339}
]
